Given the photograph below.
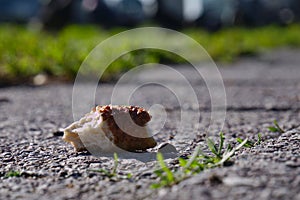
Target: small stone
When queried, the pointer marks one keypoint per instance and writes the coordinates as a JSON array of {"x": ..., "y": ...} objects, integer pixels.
[
  {"x": 239, "y": 181},
  {"x": 292, "y": 164},
  {"x": 4, "y": 100},
  {"x": 167, "y": 148},
  {"x": 215, "y": 180},
  {"x": 40, "y": 79},
  {"x": 59, "y": 132}
]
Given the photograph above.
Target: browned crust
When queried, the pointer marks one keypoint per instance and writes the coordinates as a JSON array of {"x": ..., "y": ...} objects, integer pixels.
[
  {"x": 139, "y": 115},
  {"x": 125, "y": 141}
]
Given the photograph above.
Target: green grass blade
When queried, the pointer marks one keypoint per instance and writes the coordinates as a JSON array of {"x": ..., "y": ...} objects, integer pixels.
[
  {"x": 273, "y": 129},
  {"x": 116, "y": 159},
  {"x": 155, "y": 186},
  {"x": 221, "y": 143},
  {"x": 12, "y": 174},
  {"x": 248, "y": 144},
  {"x": 193, "y": 157},
  {"x": 239, "y": 140},
  {"x": 229, "y": 148},
  {"x": 164, "y": 167},
  {"x": 182, "y": 162},
  {"x": 227, "y": 155},
  {"x": 280, "y": 130},
  {"x": 259, "y": 138},
  {"x": 211, "y": 145},
  {"x": 241, "y": 145}
]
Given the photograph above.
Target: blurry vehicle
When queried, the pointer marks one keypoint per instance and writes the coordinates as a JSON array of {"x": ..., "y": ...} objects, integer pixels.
[
  {"x": 211, "y": 14},
  {"x": 122, "y": 12},
  {"x": 119, "y": 12},
  {"x": 218, "y": 14},
  {"x": 214, "y": 14},
  {"x": 295, "y": 7},
  {"x": 263, "y": 12},
  {"x": 178, "y": 13},
  {"x": 18, "y": 10},
  {"x": 57, "y": 13}
]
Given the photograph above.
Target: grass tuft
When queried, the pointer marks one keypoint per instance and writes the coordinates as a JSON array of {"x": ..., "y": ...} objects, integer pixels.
[
  {"x": 12, "y": 174},
  {"x": 198, "y": 161},
  {"x": 249, "y": 143},
  {"x": 276, "y": 128},
  {"x": 113, "y": 174}
]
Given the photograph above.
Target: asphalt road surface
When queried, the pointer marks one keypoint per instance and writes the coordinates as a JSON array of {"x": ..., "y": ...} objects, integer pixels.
[{"x": 258, "y": 91}]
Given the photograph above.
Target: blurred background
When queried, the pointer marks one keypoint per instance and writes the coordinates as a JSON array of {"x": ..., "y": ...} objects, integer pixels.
[
  {"x": 210, "y": 14},
  {"x": 52, "y": 37}
]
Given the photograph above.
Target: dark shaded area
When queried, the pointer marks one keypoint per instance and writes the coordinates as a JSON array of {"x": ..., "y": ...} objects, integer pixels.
[{"x": 210, "y": 14}]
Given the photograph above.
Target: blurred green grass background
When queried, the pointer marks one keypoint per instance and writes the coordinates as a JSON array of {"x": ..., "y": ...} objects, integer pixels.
[{"x": 26, "y": 52}]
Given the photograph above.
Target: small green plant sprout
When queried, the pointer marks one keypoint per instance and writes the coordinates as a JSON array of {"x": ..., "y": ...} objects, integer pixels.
[
  {"x": 229, "y": 152},
  {"x": 113, "y": 174},
  {"x": 249, "y": 143},
  {"x": 166, "y": 176},
  {"x": 196, "y": 163},
  {"x": 216, "y": 150},
  {"x": 12, "y": 174},
  {"x": 276, "y": 128},
  {"x": 221, "y": 156}
]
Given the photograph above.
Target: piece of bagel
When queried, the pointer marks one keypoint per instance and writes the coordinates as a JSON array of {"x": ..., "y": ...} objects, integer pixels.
[{"x": 108, "y": 127}]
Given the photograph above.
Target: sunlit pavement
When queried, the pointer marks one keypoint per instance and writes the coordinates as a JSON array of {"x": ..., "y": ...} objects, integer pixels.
[{"x": 259, "y": 90}]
